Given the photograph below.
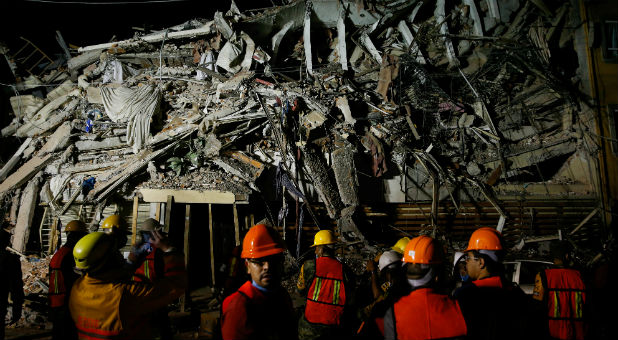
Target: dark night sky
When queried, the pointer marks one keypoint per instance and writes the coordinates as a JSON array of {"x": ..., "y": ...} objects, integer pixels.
[{"x": 88, "y": 24}]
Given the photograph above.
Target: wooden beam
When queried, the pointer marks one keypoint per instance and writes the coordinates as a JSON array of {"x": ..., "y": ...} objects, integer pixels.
[
  {"x": 52, "y": 236},
  {"x": 236, "y": 225},
  {"x": 187, "y": 296},
  {"x": 584, "y": 221},
  {"x": 168, "y": 213},
  {"x": 134, "y": 221},
  {"x": 212, "y": 245},
  {"x": 189, "y": 196},
  {"x": 158, "y": 212}
]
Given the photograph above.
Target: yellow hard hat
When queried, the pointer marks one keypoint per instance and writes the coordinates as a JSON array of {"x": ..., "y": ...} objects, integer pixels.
[
  {"x": 92, "y": 250},
  {"x": 115, "y": 223},
  {"x": 323, "y": 237},
  {"x": 401, "y": 244},
  {"x": 76, "y": 226}
]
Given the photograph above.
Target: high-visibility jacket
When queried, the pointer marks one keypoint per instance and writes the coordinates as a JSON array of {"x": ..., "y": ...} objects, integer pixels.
[
  {"x": 115, "y": 309},
  {"x": 566, "y": 297},
  {"x": 58, "y": 284},
  {"x": 149, "y": 270},
  {"x": 425, "y": 314},
  {"x": 326, "y": 296}
]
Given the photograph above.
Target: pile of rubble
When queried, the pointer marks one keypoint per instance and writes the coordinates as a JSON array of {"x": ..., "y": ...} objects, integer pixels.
[{"x": 445, "y": 94}]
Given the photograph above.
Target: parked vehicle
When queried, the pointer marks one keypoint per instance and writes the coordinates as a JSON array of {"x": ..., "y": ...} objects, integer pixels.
[{"x": 523, "y": 272}]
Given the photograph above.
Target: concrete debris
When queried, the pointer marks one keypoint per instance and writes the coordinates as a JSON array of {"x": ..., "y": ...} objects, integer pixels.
[{"x": 454, "y": 94}]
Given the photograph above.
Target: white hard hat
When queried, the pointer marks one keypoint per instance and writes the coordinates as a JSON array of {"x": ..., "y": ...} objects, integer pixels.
[
  {"x": 388, "y": 258},
  {"x": 457, "y": 257}
]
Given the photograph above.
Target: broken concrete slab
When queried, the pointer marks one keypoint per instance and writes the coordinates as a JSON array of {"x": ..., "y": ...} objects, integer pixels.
[{"x": 27, "y": 207}]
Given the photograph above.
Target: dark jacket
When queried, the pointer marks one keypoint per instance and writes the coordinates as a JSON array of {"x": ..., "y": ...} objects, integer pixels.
[
  {"x": 250, "y": 313},
  {"x": 500, "y": 312}
]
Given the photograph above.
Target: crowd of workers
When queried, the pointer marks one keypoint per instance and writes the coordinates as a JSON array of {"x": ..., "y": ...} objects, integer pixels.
[{"x": 95, "y": 293}]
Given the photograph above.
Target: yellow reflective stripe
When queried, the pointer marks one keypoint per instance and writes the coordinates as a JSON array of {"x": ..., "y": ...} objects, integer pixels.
[
  {"x": 56, "y": 281},
  {"x": 316, "y": 289},
  {"x": 147, "y": 269},
  {"x": 579, "y": 302},
  {"x": 336, "y": 292},
  {"x": 556, "y": 305}
]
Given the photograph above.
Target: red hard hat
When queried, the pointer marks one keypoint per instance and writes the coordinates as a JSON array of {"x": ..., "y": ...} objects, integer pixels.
[
  {"x": 422, "y": 250},
  {"x": 261, "y": 241},
  {"x": 485, "y": 238}
]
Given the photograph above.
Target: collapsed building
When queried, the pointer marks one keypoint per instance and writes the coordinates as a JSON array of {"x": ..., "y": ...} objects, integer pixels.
[{"x": 377, "y": 119}]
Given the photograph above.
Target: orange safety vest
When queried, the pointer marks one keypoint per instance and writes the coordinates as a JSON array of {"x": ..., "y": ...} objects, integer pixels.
[
  {"x": 326, "y": 296},
  {"x": 146, "y": 271},
  {"x": 57, "y": 288},
  {"x": 566, "y": 297},
  {"x": 424, "y": 314}
]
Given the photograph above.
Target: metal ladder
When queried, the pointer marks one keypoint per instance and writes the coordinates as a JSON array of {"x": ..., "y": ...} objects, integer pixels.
[{"x": 30, "y": 56}]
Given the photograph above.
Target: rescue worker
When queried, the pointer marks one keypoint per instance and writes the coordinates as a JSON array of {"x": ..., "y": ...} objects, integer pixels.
[
  {"x": 104, "y": 304},
  {"x": 492, "y": 306},
  {"x": 460, "y": 275},
  {"x": 261, "y": 308},
  {"x": 388, "y": 284},
  {"x": 563, "y": 292},
  {"x": 424, "y": 313},
  {"x": 323, "y": 281},
  {"x": 61, "y": 279},
  {"x": 117, "y": 227},
  {"x": 151, "y": 266},
  {"x": 147, "y": 255},
  {"x": 401, "y": 244},
  {"x": 11, "y": 282}
]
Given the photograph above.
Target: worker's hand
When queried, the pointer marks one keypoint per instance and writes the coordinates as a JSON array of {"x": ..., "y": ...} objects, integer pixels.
[
  {"x": 371, "y": 266},
  {"x": 161, "y": 241}
]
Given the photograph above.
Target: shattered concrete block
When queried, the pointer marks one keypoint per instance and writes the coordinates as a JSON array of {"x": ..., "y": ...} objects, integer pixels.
[
  {"x": 27, "y": 207},
  {"x": 345, "y": 175},
  {"x": 327, "y": 190}
]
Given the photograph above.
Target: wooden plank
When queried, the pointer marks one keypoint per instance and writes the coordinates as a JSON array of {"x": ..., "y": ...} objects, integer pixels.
[
  {"x": 212, "y": 245},
  {"x": 185, "y": 299},
  {"x": 168, "y": 213},
  {"x": 134, "y": 219},
  {"x": 189, "y": 196},
  {"x": 236, "y": 226},
  {"x": 158, "y": 212},
  {"x": 52, "y": 236}
]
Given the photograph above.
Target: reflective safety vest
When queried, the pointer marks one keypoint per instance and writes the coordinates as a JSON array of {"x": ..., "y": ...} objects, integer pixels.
[
  {"x": 146, "y": 271},
  {"x": 57, "y": 288},
  {"x": 424, "y": 314},
  {"x": 326, "y": 296},
  {"x": 566, "y": 297}
]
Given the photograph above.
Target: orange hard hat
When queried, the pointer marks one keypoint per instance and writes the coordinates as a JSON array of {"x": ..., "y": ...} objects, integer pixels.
[
  {"x": 485, "y": 238},
  {"x": 261, "y": 241},
  {"x": 76, "y": 226},
  {"x": 422, "y": 250}
]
